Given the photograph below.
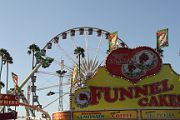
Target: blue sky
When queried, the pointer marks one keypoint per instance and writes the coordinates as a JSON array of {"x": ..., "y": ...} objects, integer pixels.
[{"x": 24, "y": 22}]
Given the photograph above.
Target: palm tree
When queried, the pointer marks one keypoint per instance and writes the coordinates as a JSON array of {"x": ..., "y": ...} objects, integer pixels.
[
  {"x": 45, "y": 61},
  {"x": 7, "y": 60},
  {"x": 33, "y": 48},
  {"x": 80, "y": 53},
  {"x": 3, "y": 52}
]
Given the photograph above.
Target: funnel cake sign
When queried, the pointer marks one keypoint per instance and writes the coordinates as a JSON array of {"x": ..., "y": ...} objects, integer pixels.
[
  {"x": 106, "y": 92},
  {"x": 133, "y": 64}
]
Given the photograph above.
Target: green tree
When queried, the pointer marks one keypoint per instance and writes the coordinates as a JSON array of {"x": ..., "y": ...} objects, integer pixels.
[
  {"x": 7, "y": 60},
  {"x": 33, "y": 49},
  {"x": 3, "y": 52},
  {"x": 45, "y": 61},
  {"x": 79, "y": 52}
]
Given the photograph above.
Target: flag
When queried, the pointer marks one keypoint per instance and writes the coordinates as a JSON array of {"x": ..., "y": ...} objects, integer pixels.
[
  {"x": 113, "y": 41},
  {"x": 15, "y": 78},
  {"x": 162, "y": 38}
]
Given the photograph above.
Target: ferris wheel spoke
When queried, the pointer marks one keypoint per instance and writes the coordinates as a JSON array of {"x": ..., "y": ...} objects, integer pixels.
[
  {"x": 74, "y": 42},
  {"x": 66, "y": 54},
  {"x": 98, "y": 47},
  {"x": 94, "y": 65},
  {"x": 86, "y": 44}
]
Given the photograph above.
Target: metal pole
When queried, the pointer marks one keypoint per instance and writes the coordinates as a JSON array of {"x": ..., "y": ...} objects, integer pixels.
[
  {"x": 71, "y": 106},
  {"x": 60, "y": 108},
  {"x": 59, "y": 93}
]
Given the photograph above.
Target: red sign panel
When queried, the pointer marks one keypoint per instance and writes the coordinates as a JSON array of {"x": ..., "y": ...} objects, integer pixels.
[
  {"x": 7, "y": 116},
  {"x": 9, "y": 100},
  {"x": 133, "y": 64}
]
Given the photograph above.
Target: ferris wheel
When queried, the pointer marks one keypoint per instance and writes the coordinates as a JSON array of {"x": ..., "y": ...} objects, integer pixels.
[{"x": 74, "y": 56}]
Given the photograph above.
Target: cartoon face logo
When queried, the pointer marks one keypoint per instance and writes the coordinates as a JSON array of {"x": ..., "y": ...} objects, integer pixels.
[
  {"x": 133, "y": 64},
  {"x": 82, "y": 99}
]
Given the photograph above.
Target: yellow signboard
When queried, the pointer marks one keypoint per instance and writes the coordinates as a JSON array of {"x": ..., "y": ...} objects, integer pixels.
[
  {"x": 107, "y": 92},
  {"x": 101, "y": 115},
  {"x": 160, "y": 114}
]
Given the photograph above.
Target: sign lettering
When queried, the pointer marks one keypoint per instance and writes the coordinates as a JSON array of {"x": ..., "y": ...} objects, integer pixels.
[{"x": 120, "y": 94}]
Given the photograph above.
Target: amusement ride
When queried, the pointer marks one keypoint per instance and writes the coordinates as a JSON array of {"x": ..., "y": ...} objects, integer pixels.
[{"x": 60, "y": 68}]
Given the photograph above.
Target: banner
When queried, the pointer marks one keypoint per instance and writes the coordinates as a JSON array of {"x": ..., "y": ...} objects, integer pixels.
[
  {"x": 113, "y": 41},
  {"x": 9, "y": 100},
  {"x": 15, "y": 78},
  {"x": 162, "y": 38}
]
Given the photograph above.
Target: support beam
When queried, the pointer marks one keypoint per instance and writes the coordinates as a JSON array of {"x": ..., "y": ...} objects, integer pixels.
[{"x": 29, "y": 76}]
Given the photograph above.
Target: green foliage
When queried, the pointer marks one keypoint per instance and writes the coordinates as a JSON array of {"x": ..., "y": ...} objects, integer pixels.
[
  {"x": 79, "y": 52},
  {"x": 47, "y": 62},
  {"x": 5, "y": 59},
  {"x": 38, "y": 55},
  {"x": 35, "y": 50}
]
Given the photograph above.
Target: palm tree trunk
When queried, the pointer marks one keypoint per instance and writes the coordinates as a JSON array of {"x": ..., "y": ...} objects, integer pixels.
[
  {"x": 7, "y": 74},
  {"x": 33, "y": 61},
  {"x": 80, "y": 68},
  {"x": 33, "y": 94},
  {"x": 1, "y": 71}
]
